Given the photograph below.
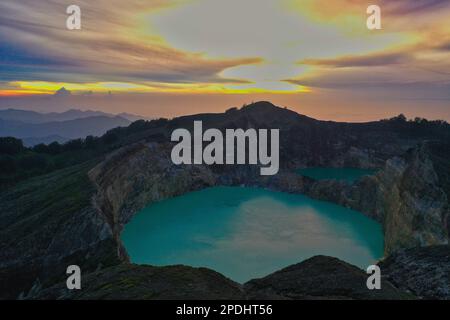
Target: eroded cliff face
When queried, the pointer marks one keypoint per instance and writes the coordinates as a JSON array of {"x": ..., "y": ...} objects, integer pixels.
[
  {"x": 406, "y": 196},
  {"x": 416, "y": 206},
  {"x": 424, "y": 271},
  {"x": 141, "y": 174}
]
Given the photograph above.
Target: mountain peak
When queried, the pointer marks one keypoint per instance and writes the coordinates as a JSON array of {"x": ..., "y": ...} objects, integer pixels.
[
  {"x": 261, "y": 105},
  {"x": 62, "y": 92},
  {"x": 269, "y": 110}
]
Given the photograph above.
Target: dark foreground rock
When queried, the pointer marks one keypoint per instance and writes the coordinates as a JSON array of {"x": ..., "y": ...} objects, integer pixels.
[
  {"x": 423, "y": 271},
  {"x": 319, "y": 278},
  {"x": 135, "y": 282}
]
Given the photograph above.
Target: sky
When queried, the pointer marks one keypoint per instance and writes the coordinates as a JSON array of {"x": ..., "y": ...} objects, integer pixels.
[{"x": 164, "y": 58}]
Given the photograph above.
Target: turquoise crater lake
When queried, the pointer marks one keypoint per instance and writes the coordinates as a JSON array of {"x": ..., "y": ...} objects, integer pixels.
[{"x": 247, "y": 233}]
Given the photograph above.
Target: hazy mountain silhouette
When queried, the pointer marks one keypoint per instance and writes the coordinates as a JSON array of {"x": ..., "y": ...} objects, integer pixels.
[
  {"x": 31, "y": 141},
  {"x": 35, "y": 133},
  {"x": 35, "y": 127},
  {"x": 72, "y": 114},
  {"x": 132, "y": 117}
]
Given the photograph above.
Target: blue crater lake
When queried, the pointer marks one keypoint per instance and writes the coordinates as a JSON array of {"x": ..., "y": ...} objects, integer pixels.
[
  {"x": 346, "y": 174},
  {"x": 246, "y": 233}
]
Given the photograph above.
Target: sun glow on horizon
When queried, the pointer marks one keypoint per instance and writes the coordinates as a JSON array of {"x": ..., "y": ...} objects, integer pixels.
[{"x": 50, "y": 88}]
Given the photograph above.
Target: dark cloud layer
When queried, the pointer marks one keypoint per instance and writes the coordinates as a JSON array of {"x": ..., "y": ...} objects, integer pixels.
[
  {"x": 371, "y": 60},
  {"x": 412, "y": 6},
  {"x": 35, "y": 41}
]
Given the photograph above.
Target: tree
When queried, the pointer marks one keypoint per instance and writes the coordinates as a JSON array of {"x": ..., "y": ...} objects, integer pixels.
[
  {"x": 40, "y": 148},
  {"x": 33, "y": 161},
  {"x": 90, "y": 142},
  {"x": 8, "y": 165},
  {"x": 11, "y": 146},
  {"x": 110, "y": 137},
  {"x": 231, "y": 110},
  {"x": 54, "y": 148},
  {"x": 75, "y": 144},
  {"x": 137, "y": 126},
  {"x": 401, "y": 117}
]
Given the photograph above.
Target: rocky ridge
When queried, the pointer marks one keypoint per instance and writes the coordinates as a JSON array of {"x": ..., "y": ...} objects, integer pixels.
[{"x": 317, "y": 278}]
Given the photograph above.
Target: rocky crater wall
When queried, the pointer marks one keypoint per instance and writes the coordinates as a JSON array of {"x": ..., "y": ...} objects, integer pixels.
[{"x": 405, "y": 195}]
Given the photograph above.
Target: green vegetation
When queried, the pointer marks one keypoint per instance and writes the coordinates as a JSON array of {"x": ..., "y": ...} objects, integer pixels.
[
  {"x": 41, "y": 218},
  {"x": 46, "y": 200},
  {"x": 419, "y": 127},
  {"x": 18, "y": 163}
]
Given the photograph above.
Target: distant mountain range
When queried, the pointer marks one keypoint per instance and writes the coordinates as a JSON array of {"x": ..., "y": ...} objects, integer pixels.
[
  {"x": 34, "y": 127},
  {"x": 72, "y": 114}
]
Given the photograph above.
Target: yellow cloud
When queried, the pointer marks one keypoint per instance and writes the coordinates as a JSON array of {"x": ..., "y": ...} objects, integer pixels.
[{"x": 41, "y": 87}]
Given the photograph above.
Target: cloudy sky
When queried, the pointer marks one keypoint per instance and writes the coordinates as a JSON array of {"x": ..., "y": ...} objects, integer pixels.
[{"x": 172, "y": 57}]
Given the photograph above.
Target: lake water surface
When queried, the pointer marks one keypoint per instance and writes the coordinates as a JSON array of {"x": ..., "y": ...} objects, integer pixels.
[{"x": 247, "y": 233}]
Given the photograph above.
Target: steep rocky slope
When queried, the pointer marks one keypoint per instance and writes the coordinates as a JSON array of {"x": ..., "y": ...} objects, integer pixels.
[
  {"x": 316, "y": 278},
  {"x": 46, "y": 224},
  {"x": 320, "y": 278},
  {"x": 406, "y": 196},
  {"x": 423, "y": 271},
  {"x": 139, "y": 174},
  {"x": 133, "y": 282}
]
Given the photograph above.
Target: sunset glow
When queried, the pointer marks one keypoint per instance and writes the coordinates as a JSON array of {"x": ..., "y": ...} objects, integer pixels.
[{"x": 310, "y": 55}]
